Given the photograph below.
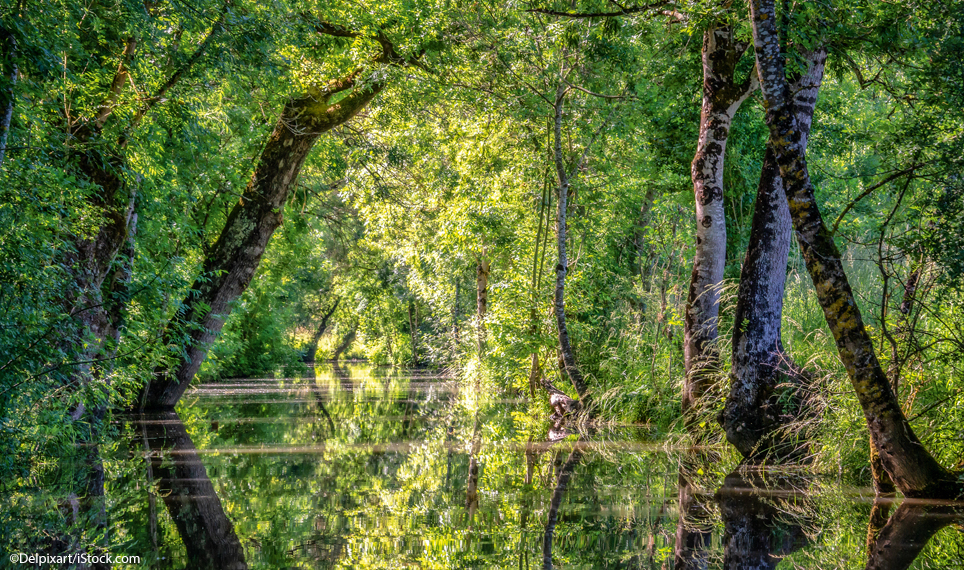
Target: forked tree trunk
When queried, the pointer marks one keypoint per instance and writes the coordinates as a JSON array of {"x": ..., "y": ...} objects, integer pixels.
[
  {"x": 312, "y": 347},
  {"x": 722, "y": 97},
  {"x": 235, "y": 256},
  {"x": 754, "y": 409},
  {"x": 914, "y": 471}
]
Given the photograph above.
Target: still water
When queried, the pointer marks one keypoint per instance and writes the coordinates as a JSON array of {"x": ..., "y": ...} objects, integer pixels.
[{"x": 370, "y": 468}]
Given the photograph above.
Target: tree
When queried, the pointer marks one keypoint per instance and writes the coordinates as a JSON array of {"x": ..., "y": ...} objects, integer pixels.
[
  {"x": 755, "y": 408},
  {"x": 723, "y": 93},
  {"x": 232, "y": 261},
  {"x": 912, "y": 468}
]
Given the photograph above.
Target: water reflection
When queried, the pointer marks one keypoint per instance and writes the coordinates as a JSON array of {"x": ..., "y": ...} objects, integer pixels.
[
  {"x": 358, "y": 468},
  {"x": 763, "y": 517},
  {"x": 565, "y": 473},
  {"x": 182, "y": 482},
  {"x": 908, "y": 531},
  {"x": 694, "y": 528}
]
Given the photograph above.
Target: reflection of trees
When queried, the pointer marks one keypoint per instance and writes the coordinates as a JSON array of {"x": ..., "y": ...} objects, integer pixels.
[
  {"x": 562, "y": 482},
  {"x": 694, "y": 528},
  {"x": 320, "y": 398},
  {"x": 762, "y": 518},
  {"x": 84, "y": 510},
  {"x": 472, "y": 483},
  {"x": 189, "y": 496},
  {"x": 907, "y": 532}
]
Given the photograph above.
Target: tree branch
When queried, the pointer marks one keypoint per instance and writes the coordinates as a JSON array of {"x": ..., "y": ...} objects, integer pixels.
[
  {"x": 117, "y": 85},
  {"x": 389, "y": 54},
  {"x": 621, "y": 12},
  {"x": 158, "y": 97},
  {"x": 865, "y": 193}
]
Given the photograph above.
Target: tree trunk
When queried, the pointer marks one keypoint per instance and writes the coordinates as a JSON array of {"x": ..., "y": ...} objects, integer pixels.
[
  {"x": 413, "y": 332},
  {"x": 565, "y": 346},
  {"x": 538, "y": 266},
  {"x": 914, "y": 471},
  {"x": 233, "y": 259},
  {"x": 312, "y": 348},
  {"x": 642, "y": 262},
  {"x": 482, "y": 301},
  {"x": 8, "y": 67},
  {"x": 346, "y": 342},
  {"x": 456, "y": 316},
  {"x": 191, "y": 500},
  {"x": 754, "y": 410},
  {"x": 722, "y": 97}
]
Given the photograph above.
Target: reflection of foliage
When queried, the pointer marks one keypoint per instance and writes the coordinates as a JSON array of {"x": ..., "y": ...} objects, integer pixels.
[{"x": 387, "y": 487}]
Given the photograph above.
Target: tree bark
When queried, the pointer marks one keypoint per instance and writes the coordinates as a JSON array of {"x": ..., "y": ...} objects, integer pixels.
[
  {"x": 190, "y": 498},
  {"x": 312, "y": 348},
  {"x": 722, "y": 97},
  {"x": 754, "y": 411},
  {"x": 914, "y": 471},
  {"x": 7, "y": 95},
  {"x": 235, "y": 256},
  {"x": 562, "y": 267},
  {"x": 482, "y": 301}
]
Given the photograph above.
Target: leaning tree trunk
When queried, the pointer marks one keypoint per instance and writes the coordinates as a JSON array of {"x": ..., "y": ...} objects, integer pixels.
[
  {"x": 753, "y": 410},
  {"x": 345, "y": 343},
  {"x": 722, "y": 97},
  {"x": 913, "y": 469},
  {"x": 312, "y": 347},
  {"x": 235, "y": 256}
]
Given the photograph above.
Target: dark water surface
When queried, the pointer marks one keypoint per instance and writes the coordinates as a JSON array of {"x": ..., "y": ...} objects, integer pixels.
[{"x": 362, "y": 468}]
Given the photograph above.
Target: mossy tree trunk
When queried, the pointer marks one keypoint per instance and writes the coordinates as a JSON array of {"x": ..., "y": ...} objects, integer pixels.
[
  {"x": 912, "y": 468},
  {"x": 234, "y": 257}
]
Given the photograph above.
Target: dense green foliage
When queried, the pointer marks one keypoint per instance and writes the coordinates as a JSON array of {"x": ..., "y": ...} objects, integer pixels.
[{"x": 448, "y": 167}]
